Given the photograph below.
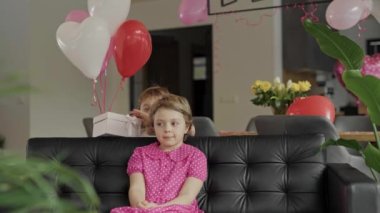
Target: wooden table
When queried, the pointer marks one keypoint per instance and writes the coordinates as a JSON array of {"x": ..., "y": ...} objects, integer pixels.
[
  {"x": 359, "y": 136},
  {"x": 235, "y": 133}
]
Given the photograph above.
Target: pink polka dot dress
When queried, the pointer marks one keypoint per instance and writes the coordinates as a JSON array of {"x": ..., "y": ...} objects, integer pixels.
[{"x": 165, "y": 173}]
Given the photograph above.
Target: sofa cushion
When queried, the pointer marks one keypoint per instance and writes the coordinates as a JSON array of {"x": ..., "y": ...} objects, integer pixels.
[{"x": 263, "y": 174}]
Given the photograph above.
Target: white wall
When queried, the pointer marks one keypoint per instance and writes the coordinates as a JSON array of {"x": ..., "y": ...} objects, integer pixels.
[
  {"x": 245, "y": 53},
  {"x": 14, "y": 46}
]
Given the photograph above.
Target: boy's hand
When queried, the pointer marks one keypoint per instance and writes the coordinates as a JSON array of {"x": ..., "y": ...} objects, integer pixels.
[
  {"x": 141, "y": 115},
  {"x": 192, "y": 130},
  {"x": 138, "y": 113}
]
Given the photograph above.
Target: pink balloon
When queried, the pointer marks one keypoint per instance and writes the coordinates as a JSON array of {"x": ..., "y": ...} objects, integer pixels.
[
  {"x": 77, "y": 16},
  {"x": 338, "y": 70},
  {"x": 193, "y": 11},
  {"x": 344, "y": 14},
  {"x": 367, "y": 8},
  {"x": 371, "y": 65}
]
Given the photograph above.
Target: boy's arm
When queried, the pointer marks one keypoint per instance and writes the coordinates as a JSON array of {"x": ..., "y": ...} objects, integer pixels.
[
  {"x": 188, "y": 193},
  {"x": 136, "y": 191}
]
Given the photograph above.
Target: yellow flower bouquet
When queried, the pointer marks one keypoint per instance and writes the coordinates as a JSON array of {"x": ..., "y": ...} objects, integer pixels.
[{"x": 278, "y": 95}]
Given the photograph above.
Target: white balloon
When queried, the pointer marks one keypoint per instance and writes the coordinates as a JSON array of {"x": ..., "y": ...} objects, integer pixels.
[
  {"x": 85, "y": 44},
  {"x": 367, "y": 8},
  {"x": 114, "y": 12},
  {"x": 376, "y": 10},
  {"x": 344, "y": 14}
]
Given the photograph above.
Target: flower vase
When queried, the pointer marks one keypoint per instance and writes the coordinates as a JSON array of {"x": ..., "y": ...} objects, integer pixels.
[{"x": 281, "y": 110}]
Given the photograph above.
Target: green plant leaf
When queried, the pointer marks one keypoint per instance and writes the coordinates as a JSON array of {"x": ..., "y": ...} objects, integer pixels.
[
  {"x": 335, "y": 45},
  {"x": 32, "y": 186},
  {"x": 367, "y": 88},
  {"x": 352, "y": 144},
  {"x": 372, "y": 157},
  {"x": 76, "y": 182}
]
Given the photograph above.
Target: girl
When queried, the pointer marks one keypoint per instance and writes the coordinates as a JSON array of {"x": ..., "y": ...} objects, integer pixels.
[{"x": 166, "y": 176}]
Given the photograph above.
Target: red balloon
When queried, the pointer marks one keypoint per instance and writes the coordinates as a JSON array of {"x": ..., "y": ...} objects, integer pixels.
[
  {"x": 133, "y": 47},
  {"x": 313, "y": 105}
]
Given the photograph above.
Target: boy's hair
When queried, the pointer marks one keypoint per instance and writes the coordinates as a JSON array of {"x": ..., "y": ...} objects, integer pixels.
[
  {"x": 153, "y": 91},
  {"x": 173, "y": 102}
]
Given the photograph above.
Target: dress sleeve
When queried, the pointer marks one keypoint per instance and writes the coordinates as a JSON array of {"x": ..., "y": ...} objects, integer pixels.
[
  {"x": 135, "y": 162},
  {"x": 198, "y": 166}
]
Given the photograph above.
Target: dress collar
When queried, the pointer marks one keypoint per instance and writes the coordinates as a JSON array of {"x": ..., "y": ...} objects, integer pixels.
[{"x": 178, "y": 154}]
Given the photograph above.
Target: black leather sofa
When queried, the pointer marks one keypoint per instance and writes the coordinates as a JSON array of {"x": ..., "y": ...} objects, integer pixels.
[{"x": 258, "y": 174}]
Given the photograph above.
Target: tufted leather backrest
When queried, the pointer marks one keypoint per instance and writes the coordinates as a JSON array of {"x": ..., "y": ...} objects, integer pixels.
[
  {"x": 246, "y": 173},
  {"x": 204, "y": 126},
  {"x": 353, "y": 123},
  {"x": 251, "y": 126},
  {"x": 295, "y": 125},
  {"x": 88, "y": 124}
]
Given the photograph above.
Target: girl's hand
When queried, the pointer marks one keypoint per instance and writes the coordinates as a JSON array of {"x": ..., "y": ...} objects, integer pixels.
[
  {"x": 146, "y": 204},
  {"x": 150, "y": 205}
]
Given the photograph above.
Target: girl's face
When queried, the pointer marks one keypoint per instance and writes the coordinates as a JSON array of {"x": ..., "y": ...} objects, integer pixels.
[
  {"x": 147, "y": 104},
  {"x": 170, "y": 128}
]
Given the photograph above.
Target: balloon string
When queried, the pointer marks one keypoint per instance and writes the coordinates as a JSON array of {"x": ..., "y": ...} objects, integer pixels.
[
  {"x": 262, "y": 17},
  {"x": 103, "y": 71},
  {"x": 104, "y": 89},
  {"x": 121, "y": 87},
  {"x": 108, "y": 56},
  {"x": 361, "y": 28},
  {"x": 101, "y": 87},
  {"x": 309, "y": 14},
  {"x": 95, "y": 98}
]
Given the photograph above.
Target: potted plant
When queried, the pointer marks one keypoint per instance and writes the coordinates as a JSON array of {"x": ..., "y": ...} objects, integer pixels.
[
  {"x": 366, "y": 88},
  {"x": 2, "y": 141},
  {"x": 32, "y": 185},
  {"x": 278, "y": 95}
]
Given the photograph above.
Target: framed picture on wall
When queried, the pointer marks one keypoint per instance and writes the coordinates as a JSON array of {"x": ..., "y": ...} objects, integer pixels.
[
  {"x": 232, "y": 6},
  {"x": 199, "y": 68},
  {"x": 373, "y": 46}
]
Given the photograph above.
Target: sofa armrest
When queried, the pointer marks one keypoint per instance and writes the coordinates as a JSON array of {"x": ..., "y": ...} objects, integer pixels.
[{"x": 350, "y": 191}]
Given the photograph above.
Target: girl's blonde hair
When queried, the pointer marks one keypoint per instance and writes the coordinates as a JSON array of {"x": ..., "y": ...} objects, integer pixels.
[
  {"x": 153, "y": 92},
  {"x": 173, "y": 102}
]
